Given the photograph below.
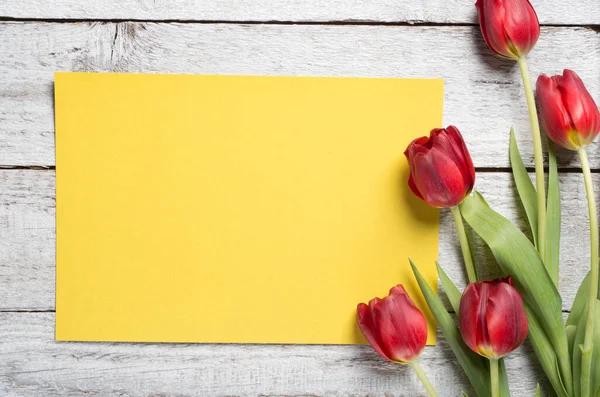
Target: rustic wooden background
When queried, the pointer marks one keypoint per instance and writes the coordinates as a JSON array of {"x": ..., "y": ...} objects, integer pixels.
[{"x": 387, "y": 38}]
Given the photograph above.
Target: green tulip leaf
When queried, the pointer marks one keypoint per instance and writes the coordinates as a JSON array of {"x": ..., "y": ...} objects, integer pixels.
[
  {"x": 595, "y": 370},
  {"x": 577, "y": 343},
  {"x": 562, "y": 385},
  {"x": 571, "y": 332},
  {"x": 473, "y": 364},
  {"x": 580, "y": 302},
  {"x": 538, "y": 392},
  {"x": 545, "y": 353},
  {"x": 524, "y": 186},
  {"x": 464, "y": 394},
  {"x": 450, "y": 289},
  {"x": 551, "y": 258},
  {"x": 518, "y": 258},
  {"x": 504, "y": 389}
]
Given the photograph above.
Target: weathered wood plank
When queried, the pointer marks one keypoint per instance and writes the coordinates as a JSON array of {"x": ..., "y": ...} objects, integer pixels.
[
  {"x": 483, "y": 94},
  {"x": 33, "y": 365},
  {"x": 431, "y": 11},
  {"x": 27, "y": 246},
  {"x": 27, "y": 227}
]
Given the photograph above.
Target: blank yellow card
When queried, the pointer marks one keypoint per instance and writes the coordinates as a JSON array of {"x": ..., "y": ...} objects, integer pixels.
[{"x": 235, "y": 208}]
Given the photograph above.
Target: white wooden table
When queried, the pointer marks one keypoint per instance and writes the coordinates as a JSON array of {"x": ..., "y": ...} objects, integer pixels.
[{"x": 388, "y": 38}]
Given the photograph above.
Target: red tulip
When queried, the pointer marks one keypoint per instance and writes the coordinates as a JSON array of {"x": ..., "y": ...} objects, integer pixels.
[
  {"x": 509, "y": 27},
  {"x": 567, "y": 111},
  {"x": 393, "y": 326},
  {"x": 492, "y": 318},
  {"x": 441, "y": 170}
]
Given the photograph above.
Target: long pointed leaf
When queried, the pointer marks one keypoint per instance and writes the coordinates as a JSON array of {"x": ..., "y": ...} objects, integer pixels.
[
  {"x": 450, "y": 289},
  {"x": 552, "y": 217},
  {"x": 524, "y": 186},
  {"x": 504, "y": 389},
  {"x": 571, "y": 333},
  {"x": 580, "y": 302},
  {"x": 577, "y": 342},
  {"x": 538, "y": 392},
  {"x": 545, "y": 353},
  {"x": 517, "y": 257},
  {"x": 472, "y": 364},
  {"x": 595, "y": 370}
]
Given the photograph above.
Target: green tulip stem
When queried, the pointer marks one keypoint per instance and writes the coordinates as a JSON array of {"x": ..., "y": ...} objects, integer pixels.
[
  {"x": 586, "y": 352},
  {"x": 423, "y": 378},
  {"x": 494, "y": 377},
  {"x": 538, "y": 156},
  {"x": 464, "y": 245}
]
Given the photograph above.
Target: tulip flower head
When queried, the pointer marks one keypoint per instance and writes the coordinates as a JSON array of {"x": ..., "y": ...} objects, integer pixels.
[
  {"x": 393, "y": 326},
  {"x": 441, "y": 169},
  {"x": 568, "y": 112},
  {"x": 492, "y": 318},
  {"x": 509, "y": 27}
]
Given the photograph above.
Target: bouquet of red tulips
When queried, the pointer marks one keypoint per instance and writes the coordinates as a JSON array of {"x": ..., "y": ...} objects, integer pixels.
[{"x": 495, "y": 317}]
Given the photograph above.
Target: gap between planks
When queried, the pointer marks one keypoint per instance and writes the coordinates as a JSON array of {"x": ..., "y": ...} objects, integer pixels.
[{"x": 342, "y": 22}]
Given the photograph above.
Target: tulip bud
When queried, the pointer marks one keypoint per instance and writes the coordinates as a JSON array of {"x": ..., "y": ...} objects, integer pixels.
[
  {"x": 567, "y": 111},
  {"x": 492, "y": 318},
  {"x": 393, "y": 326},
  {"x": 509, "y": 27},
  {"x": 441, "y": 169}
]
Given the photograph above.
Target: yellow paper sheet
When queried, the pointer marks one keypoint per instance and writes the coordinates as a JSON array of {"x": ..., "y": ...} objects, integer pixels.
[{"x": 236, "y": 208}]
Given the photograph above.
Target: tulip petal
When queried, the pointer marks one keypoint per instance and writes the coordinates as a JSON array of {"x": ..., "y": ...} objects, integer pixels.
[
  {"x": 505, "y": 319},
  {"x": 580, "y": 106},
  {"x": 416, "y": 146},
  {"x": 365, "y": 323},
  {"x": 438, "y": 178},
  {"x": 413, "y": 187},
  {"x": 462, "y": 156},
  {"x": 483, "y": 337},
  {"x": 521, "y": 26},
  {"x": 401, "y": 325},
  {"x": 468, "y": 316},
  {"x": 491, "y": 22},
  {"x": 553, "y": 114},
  {"x": 399, "y": 290}
]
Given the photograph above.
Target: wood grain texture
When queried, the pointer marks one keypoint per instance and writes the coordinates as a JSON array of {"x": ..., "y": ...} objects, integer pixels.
[
  {"x": 33, "y": 365},
  {"x": 483, "y": 94},
  {"x": 429, "y": 11},
  {"x": 27, "y": 246},
  {"x": 27, "y": 224}
]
